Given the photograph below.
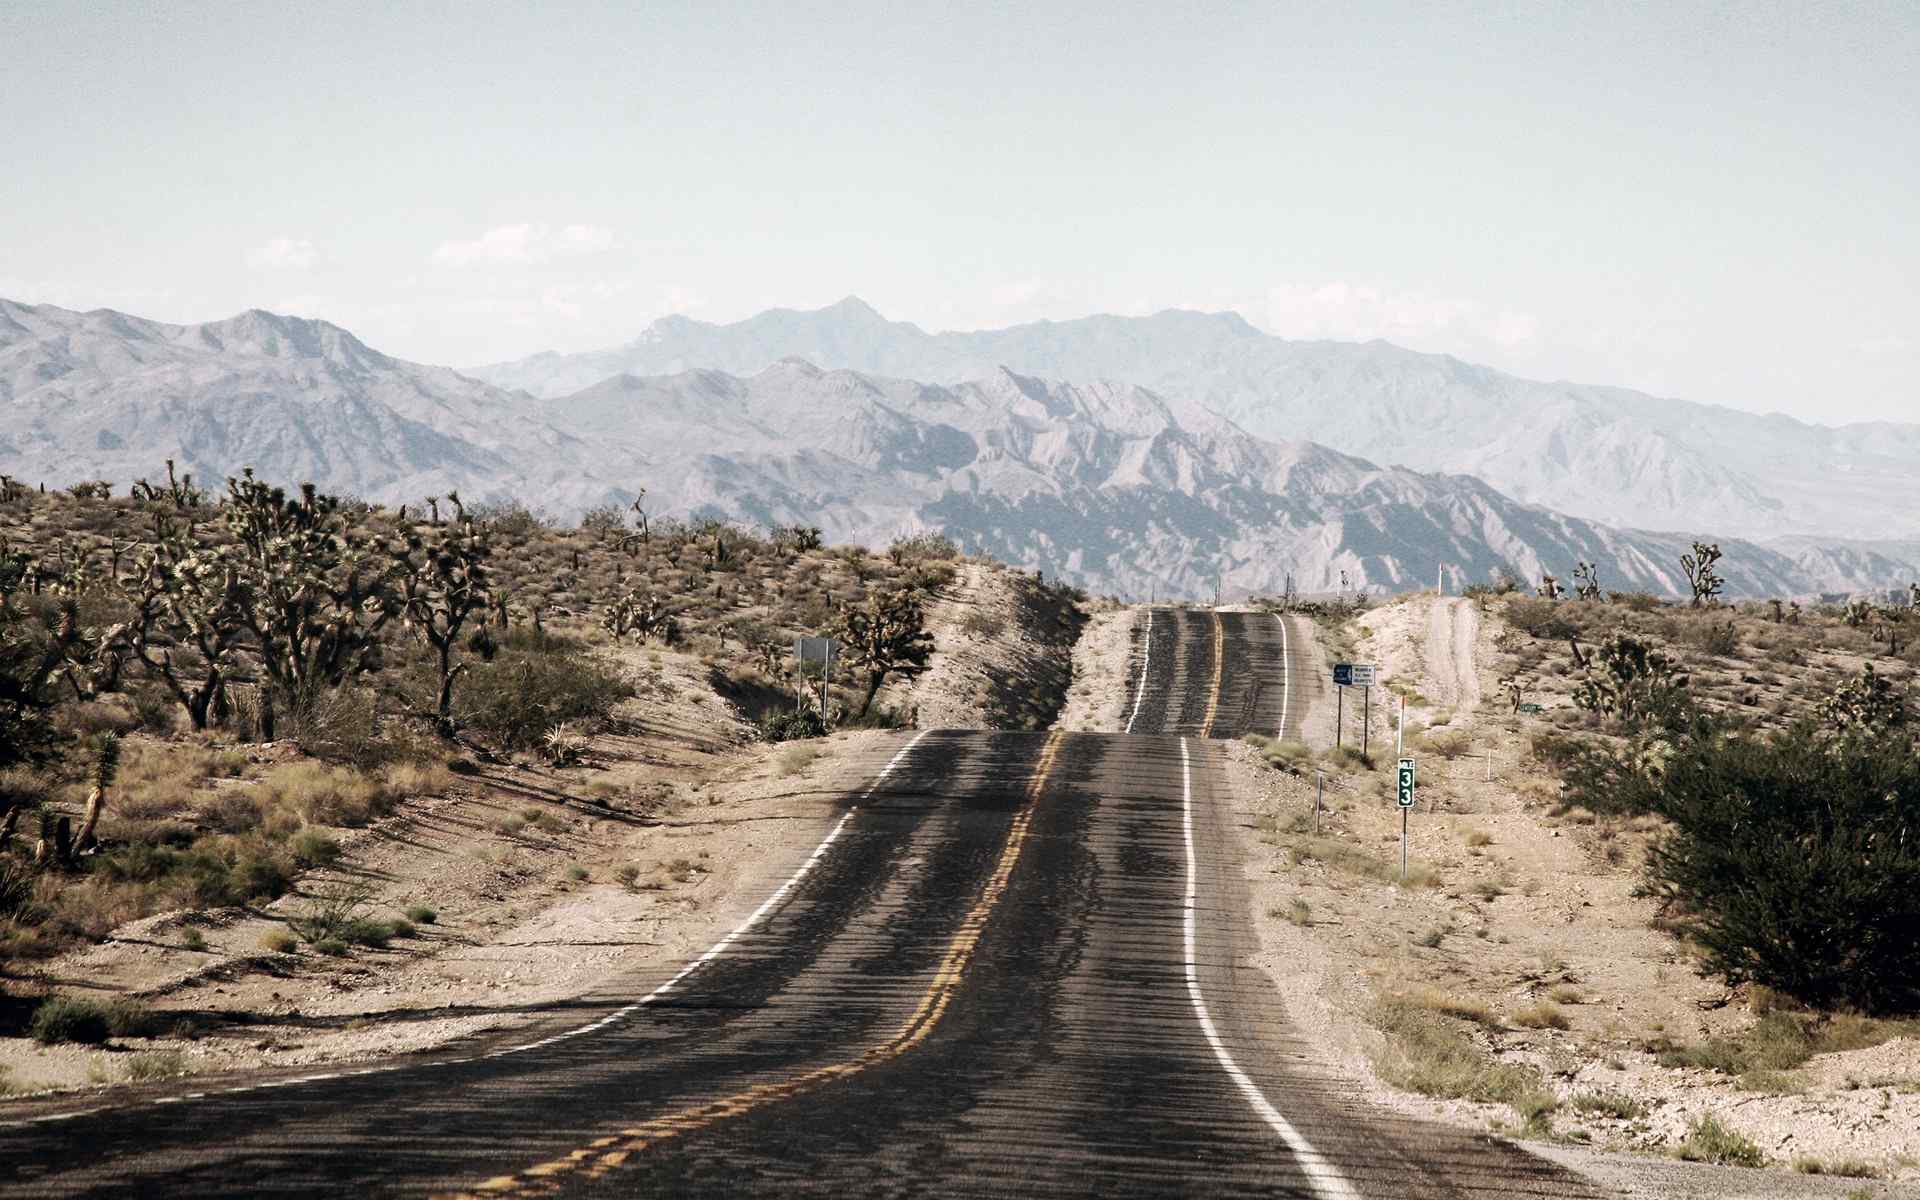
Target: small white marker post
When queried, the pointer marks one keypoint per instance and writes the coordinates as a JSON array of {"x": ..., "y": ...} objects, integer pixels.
[{"x": 1319, "y": 796}]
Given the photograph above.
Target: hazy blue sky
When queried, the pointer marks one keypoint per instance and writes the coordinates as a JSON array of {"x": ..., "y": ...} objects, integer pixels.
[{"x": 1718, "y": 202}]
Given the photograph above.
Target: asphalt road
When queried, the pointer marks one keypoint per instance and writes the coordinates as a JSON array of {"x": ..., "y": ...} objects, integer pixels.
[{"x": 1016, "y": 968}]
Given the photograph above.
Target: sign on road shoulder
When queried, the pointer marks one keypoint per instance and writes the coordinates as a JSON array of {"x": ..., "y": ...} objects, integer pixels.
[
  {"x": 1354, "y": 674},
  {"x": 1406, "y": 783}
]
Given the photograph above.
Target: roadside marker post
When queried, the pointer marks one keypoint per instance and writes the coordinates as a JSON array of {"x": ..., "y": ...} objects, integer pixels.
[
  {"x": 1405, "y": 798},
  {"x": 1319, "y": 797}
]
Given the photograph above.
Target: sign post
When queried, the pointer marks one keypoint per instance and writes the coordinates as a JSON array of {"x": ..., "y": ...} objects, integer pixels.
[
  {"x": 816, "y": 648},
  {"x": 1342, "y": 679},
  {"x": 1405, "y": 798}
]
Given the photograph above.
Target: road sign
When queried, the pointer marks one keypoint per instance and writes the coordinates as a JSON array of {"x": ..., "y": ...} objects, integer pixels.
[
  {"x": 1343, "y": 674},
  {"x": 813, "y": 647},
  {"x": 1406, "y": 783},
  {"x": 1363, "y": 674}
]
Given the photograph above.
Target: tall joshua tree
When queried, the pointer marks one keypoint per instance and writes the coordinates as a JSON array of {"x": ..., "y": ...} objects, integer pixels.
[
  {"x": 886, "y": 636},
  {"x": 444, "y": 583}
]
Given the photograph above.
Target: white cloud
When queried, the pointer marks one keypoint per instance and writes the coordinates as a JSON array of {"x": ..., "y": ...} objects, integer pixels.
[
  {"x": 1358, "y": 312},
  {"x": 526, "y": 243},
  {"x": 1018, "y": 292},
  {"x": 284, "y": 252}
]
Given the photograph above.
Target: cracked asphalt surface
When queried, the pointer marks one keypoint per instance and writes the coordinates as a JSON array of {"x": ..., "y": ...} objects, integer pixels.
[{"x": 987, "y": 984}]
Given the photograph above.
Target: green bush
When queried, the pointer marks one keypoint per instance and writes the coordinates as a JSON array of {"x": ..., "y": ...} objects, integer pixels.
[
  {"x": 89, "y": 1022},
  {"x": 524, "y": 694},
  {"x": 791, "y": 726},
  {"x": 65, "y": 1019},
  {"x": 1794, "y": 858}
]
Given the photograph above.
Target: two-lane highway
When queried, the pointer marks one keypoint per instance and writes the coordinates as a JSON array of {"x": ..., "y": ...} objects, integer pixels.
[{"x": 1017, "y": 966}]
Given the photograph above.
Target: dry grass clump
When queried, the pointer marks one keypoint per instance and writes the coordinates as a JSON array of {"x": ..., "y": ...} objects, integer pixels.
[
  {"x": 319, "y": 794},
  {"x": 1709, "y": 1141},
  {"x": 1431, "y": 1053}
]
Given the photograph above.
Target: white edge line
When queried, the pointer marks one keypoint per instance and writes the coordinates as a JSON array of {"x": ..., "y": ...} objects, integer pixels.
[
  {"x": 1286, "y": 677},
  {"x": 1325, "y": 1178},
  {"x": 1146, "y": 656},
  {"x": 712, "y": 952}
]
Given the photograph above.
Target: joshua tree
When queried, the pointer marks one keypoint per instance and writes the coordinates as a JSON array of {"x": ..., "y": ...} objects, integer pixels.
[
  {"x": 311, "y": 595},
  {"x": 1549, "y": 588},
  {"x": 1857, "y": 613},
  {"x": 180, "y": 490},
  {"x": 639, "y": 611},
  {"x": 1701, "y": 577},
  {"x": 886, "y": 636},
  {"x": 1516, "y": 690},
  {"x": 1586, "y": 581},
  {"x": 1865, "y": 704},
  {"x": 188, "y": 623},
  {"x": 106, "y": 765},
  {"x": 443, "y": 582},
  {"x": 1632, "y": 681}
]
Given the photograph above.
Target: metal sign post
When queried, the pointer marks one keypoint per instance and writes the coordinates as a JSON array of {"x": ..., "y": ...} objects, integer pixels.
[
  {"x": 1405, "y": 798},
  {"x": 1366, "y": 718},
  {"x": 816, "y": 648},
  {"x": 1342, "y": 679}
]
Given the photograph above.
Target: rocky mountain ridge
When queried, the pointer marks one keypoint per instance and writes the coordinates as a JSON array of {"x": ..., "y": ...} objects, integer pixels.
[
  {"x": 1107, "y": 484},
  {"x": 1609, "y": 454}
]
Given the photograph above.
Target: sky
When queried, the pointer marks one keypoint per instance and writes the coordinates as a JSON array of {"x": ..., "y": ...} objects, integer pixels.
[{"x": 1716, "y": 202}]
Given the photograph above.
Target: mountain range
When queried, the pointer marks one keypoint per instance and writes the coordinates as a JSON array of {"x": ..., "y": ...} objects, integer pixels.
[
  {"x": 1609, "y": 454},
  {"x": 1108, "y": 483}
]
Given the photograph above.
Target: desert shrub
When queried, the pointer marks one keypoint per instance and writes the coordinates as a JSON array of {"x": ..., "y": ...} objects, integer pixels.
[
  {"x": 564, "y": 746},
  {"x": 89, "y": 1022},
  {"x": 1640, "y": 602},
  {"x": 521, "y": 695},
  {"x": 509, "y": 517},
  {"x": 923, "y": 546},
  {"x": 338, "y": 724},
  {"x": 1715, "y": 637},
  {"x": 421, "y": 914},
  {"x": 313, "y": 847},
  {"x": 1793, "y": 858},
  {"x": 68, "y": 1019},
  {"x": 326, "y": 795},
  {"x": 156, "y": 1064},
  {"x": 1538, "y": 618},
  {"x": 1709, "y": 1141},
  {"x": 792, "y": 725},
  {"x": 1431, "y": 1053}
]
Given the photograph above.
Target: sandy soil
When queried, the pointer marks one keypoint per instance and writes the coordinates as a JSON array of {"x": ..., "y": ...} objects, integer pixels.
[
  {"x": 1001, "y": 659},
  {"x": 1523, "y": 907},
  {"x": 546, "y": 884},
  {"x": 1104, "y": 669}
]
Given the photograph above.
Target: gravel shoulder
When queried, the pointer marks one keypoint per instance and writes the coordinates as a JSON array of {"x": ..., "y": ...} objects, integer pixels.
[{"x": 1516, "y": 908}]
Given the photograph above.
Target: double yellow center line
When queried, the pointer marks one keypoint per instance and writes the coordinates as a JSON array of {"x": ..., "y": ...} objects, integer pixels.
[
  {"x": 1219, "y": 671},
  {"x": 605, "y": 1154}
]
